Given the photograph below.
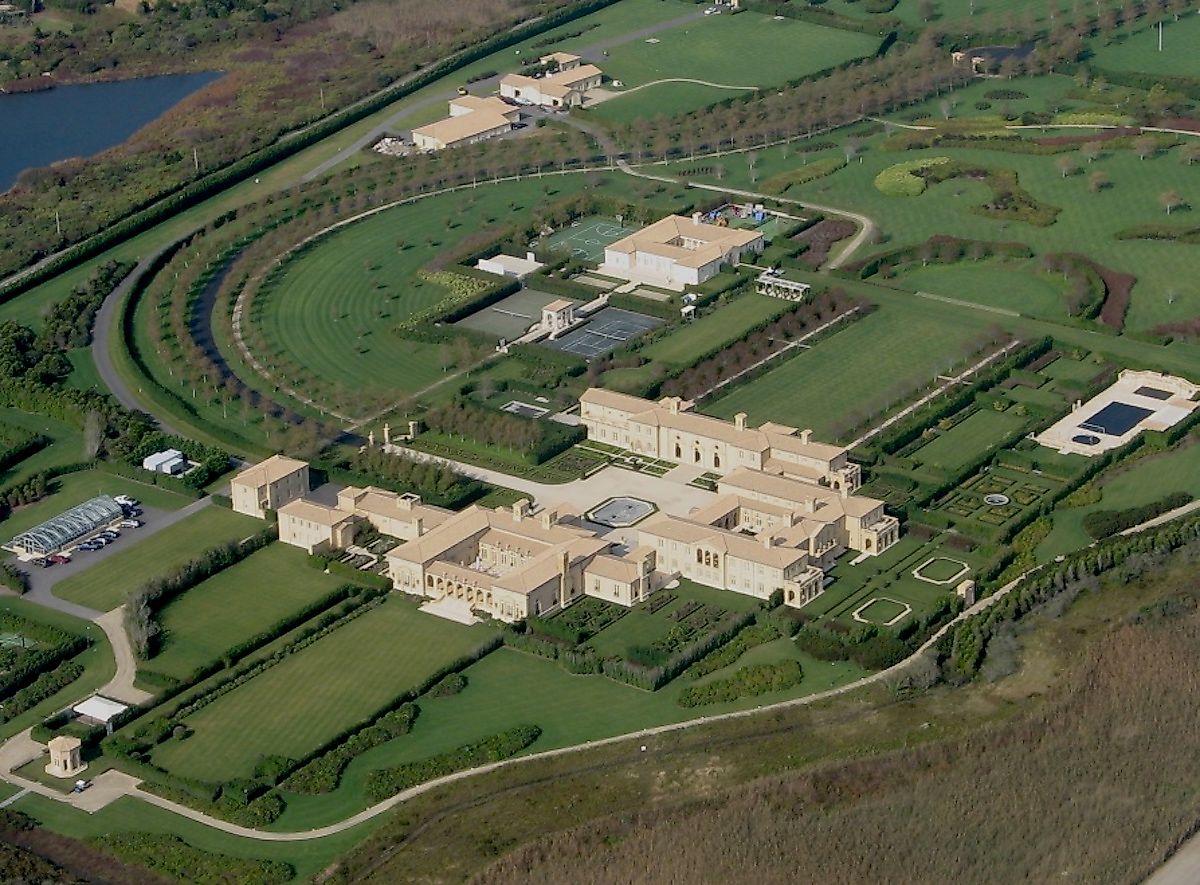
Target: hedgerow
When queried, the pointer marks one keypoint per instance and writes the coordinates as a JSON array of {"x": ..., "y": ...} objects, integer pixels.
[
  {"x": 389, "y": 781},
  {"x": 746, "y": 682}
]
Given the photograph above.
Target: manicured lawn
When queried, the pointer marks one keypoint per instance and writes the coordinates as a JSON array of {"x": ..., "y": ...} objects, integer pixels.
[
  {"x": 263, "y": 589},
  {"x": 963, "y": 442},
  {"x": 715, "y": 329},
  {"x": 749, "y": 49},
  {"x": 105, "y": 585},
  {"x": 1066, "y": 368},
  {"x": 940, "y": 568},
  {"x": 1139, "y": 52},
  {"x": 510, "y": 688},
  {"x": 857, "y": 371},
  {"x": 75, "y": 488},
  {"x": 652, "y": 101},
  {"x": 881, "y": 610},
  {"x": 1146, "y": 480},
  {"x": 1006, "y": 285},
  {"x": 312, "y": 695},
  {"x": 66, "y": 448}
]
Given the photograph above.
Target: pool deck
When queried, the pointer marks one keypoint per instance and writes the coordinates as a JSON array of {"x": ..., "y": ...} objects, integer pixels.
[{"x": 1163, "y": 400}]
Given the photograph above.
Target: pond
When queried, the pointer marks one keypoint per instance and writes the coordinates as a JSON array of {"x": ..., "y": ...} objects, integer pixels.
[{"x": 39, "y": 128}]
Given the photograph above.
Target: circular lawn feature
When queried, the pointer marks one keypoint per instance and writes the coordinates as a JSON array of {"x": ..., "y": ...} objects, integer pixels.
[{"x": 996, "y": 500}]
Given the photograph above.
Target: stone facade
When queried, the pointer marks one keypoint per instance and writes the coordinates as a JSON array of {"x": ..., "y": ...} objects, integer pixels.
[{"x": 268, "y": 485}]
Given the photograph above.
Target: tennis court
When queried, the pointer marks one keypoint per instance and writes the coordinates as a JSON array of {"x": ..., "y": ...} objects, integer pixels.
[
  {"x": 511, "y": 318},
  {"x": 608, "y": 330},
  {"x": 587, "y": 238}
]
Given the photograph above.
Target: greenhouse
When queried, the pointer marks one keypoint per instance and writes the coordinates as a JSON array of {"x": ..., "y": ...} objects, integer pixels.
[{"x": 55, "y": 534}]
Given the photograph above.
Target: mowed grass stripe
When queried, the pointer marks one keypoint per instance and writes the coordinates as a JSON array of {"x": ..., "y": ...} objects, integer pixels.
[
  {"x": 722, "y": 326},
  {"x": 105, "y": 585},
  {"x": 262, "y": 589},
  {"x": 851, "y": 372},
  {"x": 311, "y": 696}
]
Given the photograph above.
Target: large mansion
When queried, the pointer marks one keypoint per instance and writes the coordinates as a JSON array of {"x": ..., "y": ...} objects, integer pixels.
[
  {"x": 677, "y": 251},
  {"x": 670, "y": 431},
  {"x": 784, "y": 509}
]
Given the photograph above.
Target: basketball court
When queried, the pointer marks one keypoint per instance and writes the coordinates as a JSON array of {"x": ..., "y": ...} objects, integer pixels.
[{"x": 587, "y": 238}]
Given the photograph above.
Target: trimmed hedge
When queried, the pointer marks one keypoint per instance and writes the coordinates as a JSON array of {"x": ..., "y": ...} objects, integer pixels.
[
  {"x": 389, "y": 781},
  {"x": 170, "y": 856},
  {"x": 57, "y": 646},
  {"x": 46, "y": 685},
  {"x": 746, "y": 682},
  {"x": 728, "y": 654},
  {"x": 322, "y": 774},
  {"x": 1100, "y": 524}
]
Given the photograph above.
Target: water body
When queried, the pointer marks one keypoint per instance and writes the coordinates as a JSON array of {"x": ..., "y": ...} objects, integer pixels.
[{"x": 39, "y": 128}]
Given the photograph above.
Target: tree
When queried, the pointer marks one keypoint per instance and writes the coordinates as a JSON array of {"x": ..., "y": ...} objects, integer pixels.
[
  {"x": 1190, "y": 152},
  {"x": 1145, "y": 146},
  {"x": 1170, "y": 200},
  {"x": 1066, "y": 165},
  {"x": 1091, "y": 150},
  {"x": 93, "y": 434},
  {"x": 926, "y": 9},
  {"x": 1098, "y": 181}
]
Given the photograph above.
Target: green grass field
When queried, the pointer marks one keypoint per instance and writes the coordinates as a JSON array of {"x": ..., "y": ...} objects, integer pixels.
[
  {"x": 314, "y": 694},
  {"x": 106, "y": 585},
  {"x": 264, "y": 588},
  {"x": 509, "y": 688},
  {"x": 66, "y": 447},
  {"x": 858, "y": 370},
  {"x": 660, "y": 99},
  {"x": 962, "y": 442},
  {"x": 715, "y": 329},
  {"x": 1142, "y": 482},
  {"x": 1006, "y": 285},
  {"x": 75, "y": 488},
  {"x": 1139, "y": 52},
  {"x": 749, "y": 49}
]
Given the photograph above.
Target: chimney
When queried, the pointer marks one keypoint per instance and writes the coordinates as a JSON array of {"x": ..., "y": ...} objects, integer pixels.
[
  {"x": 767, "y": 540},
  {"x": 739, "y": 420},
  {"x": 805, "y": 436},
  {"x": 548, "y": 516},
  {"x": 418, "y": 527},
  {"x": 696, "y": 216},
  {"x": 519, "y": 509},
  {"x": 673, "y": 404},
  {"x": 387, "y": 434}
]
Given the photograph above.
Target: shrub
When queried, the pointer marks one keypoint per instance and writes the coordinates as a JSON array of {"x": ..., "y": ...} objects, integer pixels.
[
  {"x": 1100, "y": 524},
  {"x": 450, "y": 685},
  {"x": 729, "y": 653},
  {"x": 780, "y": 184},
  {"x": 44, "y": 686},
  {"x": 389, "y": 781},
  {"x": 322, "y": 774},
  {"x": 746, "y": 682},
  {"x": 903, "y": 180},
  {"x": 171, "y": 856}
]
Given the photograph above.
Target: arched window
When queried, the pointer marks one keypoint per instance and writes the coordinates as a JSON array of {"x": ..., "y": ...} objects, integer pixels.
[
  {"x": 716, "y": 459},
  {"x": 707, "y": 558},
  {"x": 696, "y": 454},
  {"x": 716, "y": 560},
  {"x": 678, "y": 450},
  {"x": 699, "y": 556}
]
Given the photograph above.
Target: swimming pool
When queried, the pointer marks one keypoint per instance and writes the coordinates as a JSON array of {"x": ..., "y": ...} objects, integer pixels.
[{"x": 1116, "y": 419}]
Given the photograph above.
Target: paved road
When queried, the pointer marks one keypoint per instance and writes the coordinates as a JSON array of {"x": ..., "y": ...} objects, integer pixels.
[
  {"x": 102, "y": 339},
  {"x": 1183, "y": 868}
]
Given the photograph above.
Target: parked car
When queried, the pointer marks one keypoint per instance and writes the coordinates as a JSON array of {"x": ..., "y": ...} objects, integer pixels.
[
  {"x": 131, "y": 523},
  {"x": 59, "y": 559},
  {"x": 80, "y": 786},
  {"x": 42, "y": 562},
  {"x": 132, "y": 511},
  {"x": 110, "y": 534},
  {"x": 126, "y": 501}
]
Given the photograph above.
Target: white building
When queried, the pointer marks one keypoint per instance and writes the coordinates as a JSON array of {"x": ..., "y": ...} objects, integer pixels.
[
  {"x": 564, "y": 89},
  {"x": 677, "y": 251},
  {"x": 171, "y": 462}
]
